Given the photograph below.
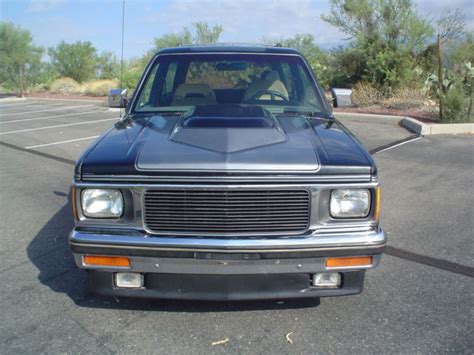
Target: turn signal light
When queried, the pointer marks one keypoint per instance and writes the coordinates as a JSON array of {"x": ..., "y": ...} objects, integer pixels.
[
  {"x": 74, "y": 203},
  {"x": 113, "y": 261},
  {"x": 353, "y": 261},
  {"x": 377, "y": 203}
]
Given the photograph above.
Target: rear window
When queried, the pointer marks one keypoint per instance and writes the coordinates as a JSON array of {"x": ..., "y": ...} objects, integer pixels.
[{"x": 220, "y": 74}]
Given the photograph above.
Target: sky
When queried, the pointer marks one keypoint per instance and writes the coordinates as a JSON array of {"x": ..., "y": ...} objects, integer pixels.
[{"x": 244, "y": 21}]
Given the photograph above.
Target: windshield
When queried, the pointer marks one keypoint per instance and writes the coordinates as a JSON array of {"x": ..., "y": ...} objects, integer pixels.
[{"x": 277, "y": 82}]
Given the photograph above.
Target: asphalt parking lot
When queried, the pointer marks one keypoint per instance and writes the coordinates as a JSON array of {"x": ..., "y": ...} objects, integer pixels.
[{"x": 419, "y": 300}]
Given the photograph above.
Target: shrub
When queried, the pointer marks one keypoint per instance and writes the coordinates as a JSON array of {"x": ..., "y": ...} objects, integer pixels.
[
  {"x": 41, "y": 87},
  {"x": 454, "y": 104},
  {"x": 364, "y": 94},
  {"x": 407, "y": 98},
  {"x": 131, "y": 77},
  {"x": 66, "y": 86},
  {"x": 99, "y": 87}
]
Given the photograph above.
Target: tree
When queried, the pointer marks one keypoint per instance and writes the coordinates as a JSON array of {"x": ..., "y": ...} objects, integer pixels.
[
  {"x": 316, "y": 57},
  {"x": 107, "y": 66},
  {"x": 389, "y": 34},
  {"x": 205, "y": 34},
  {"x": 76, "y": 60},
  {"x": 449, "y": 27},
  {"x": 19, "y": 59},
  {"x": 200, "y": 33},
  {"x": 453, "y": 86}
]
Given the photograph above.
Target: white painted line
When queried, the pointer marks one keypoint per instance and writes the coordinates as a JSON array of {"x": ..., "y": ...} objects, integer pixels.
[
  {"x": 12, "y": 99},
  {"x": 14, "y": 103},
  {"x": 59, "y": 125},
  {"x": 51, "y": 109},
  {"x": 62, "y": 142},
  {"x": 49, "y": 117},
  {"x": 399, "y": 144},
  {"x": 16, "y": 106},
  {"x": 102, "y": 102}
]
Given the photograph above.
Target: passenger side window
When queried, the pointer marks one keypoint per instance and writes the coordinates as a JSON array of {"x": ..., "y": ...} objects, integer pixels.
[
  {"x": 145, "y": 96},
  {"x": 310, "y": 95}
]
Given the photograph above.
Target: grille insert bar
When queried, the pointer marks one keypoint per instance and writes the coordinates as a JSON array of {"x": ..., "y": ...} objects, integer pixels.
[{"x": 226, "y": 211}]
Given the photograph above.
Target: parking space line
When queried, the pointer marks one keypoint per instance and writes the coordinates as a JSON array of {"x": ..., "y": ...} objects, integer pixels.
[
  {"x": 57, "y": 126},
  {"x": 51, "y": 109},
  {"x": 41, "y": 154},
  {"x": 62, "y": 142},
  {"x": 430, "y": 261},
  {"x": 398, "y": 143},
  {"x": 4, "y": 108},
  {"x": 49, "y": 117}
]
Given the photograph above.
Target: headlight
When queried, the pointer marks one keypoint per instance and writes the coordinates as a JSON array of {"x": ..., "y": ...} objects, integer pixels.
[
  {"x": 350, "y": 203},
  {"x": 101, "y": 203}
]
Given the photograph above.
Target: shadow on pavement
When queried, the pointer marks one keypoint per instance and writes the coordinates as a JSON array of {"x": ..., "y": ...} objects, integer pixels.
[{"x": 49, "y": 252}]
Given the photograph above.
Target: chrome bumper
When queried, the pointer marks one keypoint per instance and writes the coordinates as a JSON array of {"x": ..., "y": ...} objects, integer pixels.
[
  {"x": 232, "y": 245},
  {"x": 227, "y": 256}
]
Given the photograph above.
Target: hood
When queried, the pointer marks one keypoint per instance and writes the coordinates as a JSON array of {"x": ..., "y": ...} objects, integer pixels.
[
  {"x": 225, "y": 139},
  {"x": 228, "y": 139}
]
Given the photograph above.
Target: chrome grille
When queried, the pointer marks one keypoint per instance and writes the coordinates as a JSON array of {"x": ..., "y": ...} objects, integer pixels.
[{"x": 227, "y": 211}]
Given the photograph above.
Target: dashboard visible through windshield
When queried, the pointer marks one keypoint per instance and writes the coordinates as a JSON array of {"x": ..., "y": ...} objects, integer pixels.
[{"x": 275, "y": 82}]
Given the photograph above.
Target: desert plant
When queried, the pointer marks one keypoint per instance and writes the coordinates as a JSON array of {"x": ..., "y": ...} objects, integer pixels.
[
  {"x": 41, "y": 87},
  {"x": 407, "y": 98},
  {"x": 455, "y": 93},
  {"x": 365, "y": 94},
  {"x": 386, "y": 38},
  {"x": 65, "y": 86},
  {"x": 98, "y": 87}
]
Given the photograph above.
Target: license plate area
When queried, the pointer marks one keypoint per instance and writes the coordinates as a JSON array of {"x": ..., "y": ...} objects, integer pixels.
[{"x": 226, "y": 256}]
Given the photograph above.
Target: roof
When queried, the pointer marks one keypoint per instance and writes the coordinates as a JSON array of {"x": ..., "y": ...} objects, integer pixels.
[{"x": 219, "y": 48}]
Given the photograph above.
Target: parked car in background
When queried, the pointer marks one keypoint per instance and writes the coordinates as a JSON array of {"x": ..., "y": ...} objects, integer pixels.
[{"x": 227, "y": 178}]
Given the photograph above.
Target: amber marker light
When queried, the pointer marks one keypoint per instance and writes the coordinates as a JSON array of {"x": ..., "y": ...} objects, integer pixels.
[
  {"x": 100, "y": 260},
  {"x": 377, "y": 203},
  {"x": 74, "y": 203},
  {"x": 353, "y": 261}
]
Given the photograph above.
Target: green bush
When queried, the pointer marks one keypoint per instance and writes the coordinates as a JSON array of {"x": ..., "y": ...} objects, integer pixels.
[
  {"x": 41, "y": 87},
  {"x": 130, "y": 78},
  {"x": 454, "y": 102},
  {"x": 65, "y": 86}
]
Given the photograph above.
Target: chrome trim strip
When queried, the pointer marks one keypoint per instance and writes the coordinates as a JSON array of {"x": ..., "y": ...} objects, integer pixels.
[
  {"x": 236, "y": 186},
  {"x": 229, "y": 52},
  {"x": 229, "y": 179},
  {"x": 322, "y": 242}
]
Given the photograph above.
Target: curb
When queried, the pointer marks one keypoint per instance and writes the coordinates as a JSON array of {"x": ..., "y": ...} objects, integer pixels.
[
  {"x": 358, "y": 114},
  {"x": 418, "y": 127},
  {"x": 436, "y": 128}
]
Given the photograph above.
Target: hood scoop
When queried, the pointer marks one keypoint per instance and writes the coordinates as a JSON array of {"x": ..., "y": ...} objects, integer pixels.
[{"x": 228, "y": 128}]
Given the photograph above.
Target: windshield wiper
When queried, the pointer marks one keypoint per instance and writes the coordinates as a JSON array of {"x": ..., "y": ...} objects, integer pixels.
[
  {"x": 161, "y": 112},
  {"x": 308, "y": 114}
]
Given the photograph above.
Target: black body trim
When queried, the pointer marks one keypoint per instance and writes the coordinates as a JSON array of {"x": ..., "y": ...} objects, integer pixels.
[{"x": 227, "y": 287}]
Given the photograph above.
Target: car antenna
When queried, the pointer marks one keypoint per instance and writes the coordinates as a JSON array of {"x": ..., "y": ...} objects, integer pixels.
[{"x": 121, "y": 55}]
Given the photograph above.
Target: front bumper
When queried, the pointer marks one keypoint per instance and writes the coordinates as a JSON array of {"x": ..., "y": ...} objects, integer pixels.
[{"x": 227, "y": 269}]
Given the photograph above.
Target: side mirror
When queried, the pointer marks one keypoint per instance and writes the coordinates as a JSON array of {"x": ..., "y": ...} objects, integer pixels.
[
  {"x": 341, "y": 97},
  {"x": 118, "y": 98}
]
